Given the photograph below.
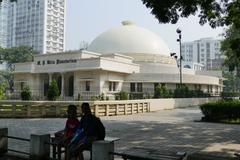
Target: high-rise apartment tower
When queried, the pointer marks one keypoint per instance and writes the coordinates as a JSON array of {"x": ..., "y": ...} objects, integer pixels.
[
  {"x": 205, "y": 51},
  {"x": 36, "y": 23}
]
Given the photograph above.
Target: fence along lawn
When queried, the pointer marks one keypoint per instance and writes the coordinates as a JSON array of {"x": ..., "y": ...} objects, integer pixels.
[{"x": 36, "y": 109}]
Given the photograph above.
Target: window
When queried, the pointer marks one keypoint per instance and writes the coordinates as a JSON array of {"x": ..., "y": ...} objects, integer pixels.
[
  {"x": 87, "y": 85},
  {"x": 112, "y": 86},
  {"x": 132, "y": 87},
  {"x": 136, "y": 87},
  {"x": 209, "y": 89},
  {"x": 139, "y": 87}
]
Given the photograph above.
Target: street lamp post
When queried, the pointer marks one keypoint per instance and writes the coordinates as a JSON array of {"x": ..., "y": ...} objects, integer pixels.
[{"x": 179, "y": 32}]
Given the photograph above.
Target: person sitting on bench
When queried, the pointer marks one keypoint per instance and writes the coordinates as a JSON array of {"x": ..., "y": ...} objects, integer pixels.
[
  {"x": 89, "y": 130},
  {"x": 63, "y": 137}
]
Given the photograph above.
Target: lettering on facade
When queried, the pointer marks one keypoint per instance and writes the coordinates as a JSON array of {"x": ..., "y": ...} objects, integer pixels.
[
  {"x": 66, "y": 61},
  {"x": 50, "y": 62},
  {"x": 58, "y": 61}
]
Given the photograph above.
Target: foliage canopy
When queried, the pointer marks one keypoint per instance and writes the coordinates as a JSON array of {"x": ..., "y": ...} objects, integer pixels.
[
  {"x": 230, "y": 47},
  {"x": 17, "y": 55},
  {"x": 215, "y": 12}
]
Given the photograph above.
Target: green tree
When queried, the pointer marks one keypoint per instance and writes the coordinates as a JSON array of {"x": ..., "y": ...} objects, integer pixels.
[
  {"x": 11, "y": 56},
  {"x": 215, "y": 12},
  {"x": 53, "y": 92},
  {"x": 7, "y": 78},
  {"x": 230, "y": 47},
  {"x": 2, "y": 91},
  {"x": 17, "y": 55},
  {"x": 26, "y": 94},
  {"x": 230, "y": 83}
]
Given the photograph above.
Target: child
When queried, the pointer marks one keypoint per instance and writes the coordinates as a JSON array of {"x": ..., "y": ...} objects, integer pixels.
[
  {"x": 72, "y": 122},
  {"x": 62, "y": 138}
]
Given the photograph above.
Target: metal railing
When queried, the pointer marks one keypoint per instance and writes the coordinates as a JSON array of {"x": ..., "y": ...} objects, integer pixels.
[
  {"x": 20, "y": 139},
  {"x": 28, "y": 153}
]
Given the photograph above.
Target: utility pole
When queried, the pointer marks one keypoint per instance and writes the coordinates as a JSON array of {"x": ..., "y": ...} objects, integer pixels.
[{"x": 179, "y": 32}]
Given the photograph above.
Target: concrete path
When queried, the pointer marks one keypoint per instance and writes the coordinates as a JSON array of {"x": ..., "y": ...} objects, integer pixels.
[{"x": 174, "y": 130}]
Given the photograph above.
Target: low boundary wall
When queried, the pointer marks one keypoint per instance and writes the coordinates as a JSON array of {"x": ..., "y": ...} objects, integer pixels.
[
  {"x": 35, "y": 109},
  {"x": 172, "y": 103}
]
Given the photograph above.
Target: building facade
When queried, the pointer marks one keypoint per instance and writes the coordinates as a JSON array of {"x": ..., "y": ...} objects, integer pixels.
[
  {"x": 4, "y": 6},
  {"x": 205, "y": 51},
  {"x": 36, "y": 23},
  {"x": 127, "y": 58}
]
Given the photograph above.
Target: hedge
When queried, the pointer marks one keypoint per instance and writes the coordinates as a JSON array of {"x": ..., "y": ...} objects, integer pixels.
[
  {"x": 221, "y": 110},
  {"x": 230, "y": 94}
]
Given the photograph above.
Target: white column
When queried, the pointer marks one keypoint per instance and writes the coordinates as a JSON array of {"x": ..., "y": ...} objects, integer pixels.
[
  {"x": 50, "y": 78},
  {"x": 62, "y": 88}
]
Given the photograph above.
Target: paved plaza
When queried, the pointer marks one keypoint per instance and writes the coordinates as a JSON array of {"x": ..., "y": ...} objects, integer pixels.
[{"x": 175, "y": 130}]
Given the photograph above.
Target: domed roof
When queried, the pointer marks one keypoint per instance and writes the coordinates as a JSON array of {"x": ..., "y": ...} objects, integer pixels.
[{"x": 129, "y": 38}]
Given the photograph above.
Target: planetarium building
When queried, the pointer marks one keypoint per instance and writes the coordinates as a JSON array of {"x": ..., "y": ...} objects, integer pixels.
[{"x": 127, "y": 58}]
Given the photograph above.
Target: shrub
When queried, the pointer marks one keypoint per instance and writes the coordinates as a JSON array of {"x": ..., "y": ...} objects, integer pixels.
[
  {"x": 26, "y": 94},
  {"x": 79, "y": 98},
  {"x": 53, "y": 92},
  {"x": 2, "y": 91},
  {"x": 136, "y": 96},
  {"x": 221, "y": 110},
  {"x": 230, "y": 94},
  {"x": 147, "y": 96},
  {"x": 184, "y": 92},
  {"x": 161, "y": 91},
  {"x": 121, "y": 96},
  {"x": 101, "y": 97}
]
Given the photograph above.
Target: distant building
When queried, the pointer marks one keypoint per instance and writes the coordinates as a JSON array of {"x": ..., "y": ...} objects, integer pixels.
[
  {"x": 4, "y": 6},
  {"x": 127, "y": 58},
  {"x": 3, "y": 65},
  {"x": 193, "y": 65},
  {"x": 36, "y": 23},
  {"x": 205, "y": 51}
]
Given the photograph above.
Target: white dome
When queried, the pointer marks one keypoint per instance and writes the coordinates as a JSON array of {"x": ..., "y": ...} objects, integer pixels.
[{"x": 129, "y": 38}]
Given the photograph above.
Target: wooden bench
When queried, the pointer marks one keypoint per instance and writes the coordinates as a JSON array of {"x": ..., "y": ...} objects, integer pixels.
[
  {"x": 58, "y": 149},
  {"x": 139, "y": 153}
]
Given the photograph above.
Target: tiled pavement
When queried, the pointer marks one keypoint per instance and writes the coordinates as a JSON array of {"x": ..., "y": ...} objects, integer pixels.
[{"x": 175, "y": 130}]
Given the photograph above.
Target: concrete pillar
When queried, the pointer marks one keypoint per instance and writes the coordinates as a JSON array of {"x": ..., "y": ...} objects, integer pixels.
[
  {"x": 62, "y": 87},
  {"x": 39, "y": 150},
  {"x": 101, "y": 149},
  {"x": 50, "y": 78},
  {"x": 3, "y": 141}
]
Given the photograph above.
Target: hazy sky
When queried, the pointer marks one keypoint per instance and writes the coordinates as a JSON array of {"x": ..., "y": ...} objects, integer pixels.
[{"x": 86, "y": 19}]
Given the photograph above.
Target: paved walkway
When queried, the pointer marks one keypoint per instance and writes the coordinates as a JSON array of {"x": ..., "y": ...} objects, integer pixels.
[{"x": 174, "y": 130}]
